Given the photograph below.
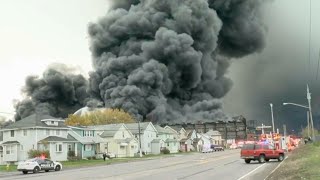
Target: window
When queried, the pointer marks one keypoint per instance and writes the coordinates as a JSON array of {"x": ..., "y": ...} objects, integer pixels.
[
  {"x": 25, "y": 132},
  {"x": 21, "y": 147},
  {"x": 69, "y": 147},
  {"x": 123, "y": 134},
  {"x": 12, "y": 133},
  {"x": 122, "y": 147},
  {"x": 52, "y": 122},
  {"x": 58, "y": 132},
  {"x": 87, "y": 147},
  {"x": 87, "y": 133},
  {"x": 59, "y": 147},
  {"x": 10, "y": 149},
  {"x": 168, "y": 144},
  {"x": 47, "y": 132}
]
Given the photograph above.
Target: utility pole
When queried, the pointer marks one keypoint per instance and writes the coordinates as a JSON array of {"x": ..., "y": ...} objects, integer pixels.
[
  {"x": 140, "y": 153},
  {"x": 271, "y": 105},
  {"x": 311, "y": 119},
  {"x": 308, "y": 119},
  {"x": 284, "y": 130}
]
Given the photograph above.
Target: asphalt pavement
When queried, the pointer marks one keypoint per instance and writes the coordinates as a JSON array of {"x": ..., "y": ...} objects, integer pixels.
[{"x": 225, "y": 165}]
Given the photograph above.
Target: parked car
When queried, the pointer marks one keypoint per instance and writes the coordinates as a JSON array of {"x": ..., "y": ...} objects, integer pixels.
[
  {"x": 38, "y": 164},
  {"x": 207, "y": 150},
  {"x": 217, "y": 147},
  {"x": 233, "y": 146},
  {"x": 260, "y": 152}
]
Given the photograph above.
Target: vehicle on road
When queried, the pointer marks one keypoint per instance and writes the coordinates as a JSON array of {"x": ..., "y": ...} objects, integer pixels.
[
  {"x": 217, "y": 147},
  {"x": 261, "y": 152},
  {"x": 207, "y": 150},
  {"x": 38, "y": 164}
]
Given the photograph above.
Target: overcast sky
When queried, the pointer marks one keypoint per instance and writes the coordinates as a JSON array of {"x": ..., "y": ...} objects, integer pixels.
[{"x": 36, "y": 33}]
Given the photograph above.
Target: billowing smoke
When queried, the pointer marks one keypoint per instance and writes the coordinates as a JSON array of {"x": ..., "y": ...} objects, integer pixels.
[
  {"x": 166, "y": 60},
  {"x": 58, "y": 93}
]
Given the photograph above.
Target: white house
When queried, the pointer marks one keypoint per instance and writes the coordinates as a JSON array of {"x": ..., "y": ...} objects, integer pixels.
[
  {"x": 37, "y": 131},
  {"x": 215, "y": 136},
  {"x": 147, "y": 133},
  {"x": 169, "y": 137},
  {"x": 117, "y": 139}
]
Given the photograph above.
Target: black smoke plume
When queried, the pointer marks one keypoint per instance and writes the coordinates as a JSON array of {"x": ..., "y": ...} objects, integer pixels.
[
  {"x": 59, "y": 92},
  {"x": 166, "y": 60}
]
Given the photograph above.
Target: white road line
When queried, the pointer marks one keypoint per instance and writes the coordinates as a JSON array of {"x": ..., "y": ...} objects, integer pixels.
[
  {"x": 251, "y": 171},
  {"x": 276, "y": 167}
]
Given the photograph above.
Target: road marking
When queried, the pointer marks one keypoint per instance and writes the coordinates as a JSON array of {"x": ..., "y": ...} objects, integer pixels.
[
  {"x": 251, "y": 171},
  {"x": 276, "y": 167}
]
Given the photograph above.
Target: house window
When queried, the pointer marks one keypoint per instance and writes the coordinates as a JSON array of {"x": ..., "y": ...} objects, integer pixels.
[
  {"x": 25, "y": 132},
  {"x": 87, "y": 147},
  {"x": 149, "y": 144},
  {"x": 58, "y": 132},
  {"x": 47, "y": 132},
  {"x": 168, "y": 144},
  {"x": 12, "y": 133},
  {"x": 52, "y": 122},
  {"x": 59, "y": 147},
  {"x": 122, "y": 147},
  {"x": 21, "y": 147},
  {"x": 45, "y": 147},
  {"x": 10, "y": 149},
  {"x": 123, "y": 134},
  {"x": 69, "y": 147}
]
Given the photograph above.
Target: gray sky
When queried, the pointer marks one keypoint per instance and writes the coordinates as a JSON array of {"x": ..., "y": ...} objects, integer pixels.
[{"x": 35, "y": 33}]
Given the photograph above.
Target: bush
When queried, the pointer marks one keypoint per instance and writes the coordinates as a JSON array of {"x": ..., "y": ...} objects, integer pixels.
[
  {"x": 165, "y": 151},
  {"x": 32, "y": 153},
  {"x": 71, "y": 154}
]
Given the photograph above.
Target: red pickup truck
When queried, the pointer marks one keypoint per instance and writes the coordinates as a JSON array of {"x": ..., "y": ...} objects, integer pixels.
[{"x": 260, "y": 152}]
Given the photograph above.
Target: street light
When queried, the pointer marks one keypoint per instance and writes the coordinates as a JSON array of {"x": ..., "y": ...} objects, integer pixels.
[
  {"x": 271, "y": 105},
  {"x": 307, "y": 107}
]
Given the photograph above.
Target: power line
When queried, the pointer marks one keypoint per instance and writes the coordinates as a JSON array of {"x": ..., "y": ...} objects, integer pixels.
[{"x": 309, "y": 68}]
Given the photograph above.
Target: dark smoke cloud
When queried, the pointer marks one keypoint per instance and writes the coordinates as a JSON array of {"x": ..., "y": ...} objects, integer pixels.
[
  {"x": 166, "y": 60},
  {"x": 58, "y": 93},
  {"x": 280, "y": 73}
]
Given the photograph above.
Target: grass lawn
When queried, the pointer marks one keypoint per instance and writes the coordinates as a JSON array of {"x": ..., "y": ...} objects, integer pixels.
[
  {"x": 3, "y": 168},
  {"x": 302, "y": 163}
]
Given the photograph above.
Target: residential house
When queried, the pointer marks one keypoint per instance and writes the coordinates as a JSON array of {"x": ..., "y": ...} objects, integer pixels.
[
  {"x": 36, "y": 131},
  {"x": 147, "y": 133},
  {"x": 173, "y": 132},
  {"x": 88, "y": 142},
  {"x": 117, "y": 139},
  {"x": 215, "y": 136},
  {"x": 169, "y": 137}
]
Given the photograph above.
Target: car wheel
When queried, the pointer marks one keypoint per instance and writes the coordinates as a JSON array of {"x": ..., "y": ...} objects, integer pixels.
[
  {"x": 36, "y": 169},
  {"x": 46, "y": 170},
  {"x": 247, "y": 161},
  {"x": 262, "y": 159},
  {"x": 281, "y": 157},
  {"x": 25, "y": 172},
  {"x": 267, "y": 160},
  {"x": 57, "y": 168}
]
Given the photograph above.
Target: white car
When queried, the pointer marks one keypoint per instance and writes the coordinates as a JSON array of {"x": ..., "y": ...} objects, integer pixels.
[
  {"x": 207, "y": 150},
  {"x": 38, "y": 164}
]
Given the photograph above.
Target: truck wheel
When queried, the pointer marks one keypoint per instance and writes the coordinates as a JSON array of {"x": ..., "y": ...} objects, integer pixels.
[
  {"x": 25, "y": 172},
  {"x": 267, "y": 160},
  {"x": 262, "y": 159},
  {"x": 36, "y": 169},
  {"x": 281, "y": 157},
  {"x": 247, "y": 161}
]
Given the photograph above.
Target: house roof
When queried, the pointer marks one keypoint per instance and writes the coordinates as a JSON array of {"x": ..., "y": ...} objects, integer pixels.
[
  {"x": 134, "y": 129},
  {"x": 34, "y": 120},
  {"x": 162, "y": 130},
  {"x": 109, "y": 130},
  {"x": 86, "y": 139},
  {"x": 213, "y": 133},
  {"x": 56, "y": 138},
  {"x": 11, "y": 142},
  {"x": 127, "y": 140},
  {"x": 156, "y": 140},
  {"x": 171, "y": 140},
  {"x": 184, "y": 139}
]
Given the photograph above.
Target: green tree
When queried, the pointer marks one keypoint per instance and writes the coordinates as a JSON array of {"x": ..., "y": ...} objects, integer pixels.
[{"x": 100, "y": 117}]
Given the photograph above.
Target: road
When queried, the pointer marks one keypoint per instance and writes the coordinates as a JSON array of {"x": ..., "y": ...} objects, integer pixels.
[{"x": 223, "y": 165}]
